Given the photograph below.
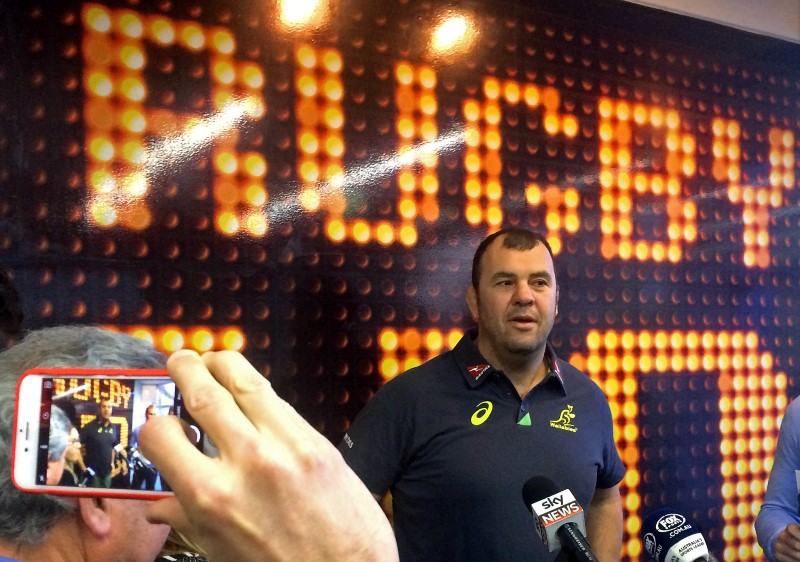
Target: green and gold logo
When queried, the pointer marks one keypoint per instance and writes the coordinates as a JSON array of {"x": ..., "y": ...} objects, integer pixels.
[{"x": 564, "y": 421}]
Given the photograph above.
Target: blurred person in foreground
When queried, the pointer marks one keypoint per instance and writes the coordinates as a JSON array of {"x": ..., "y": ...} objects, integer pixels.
[
  {"x": 57, "y": 445},
  {"x": 277, "y": 491},
  {"x": 37, "y": 527},
  {"x": 778, "y": 521},
  {"x": 456, "y": 439}
]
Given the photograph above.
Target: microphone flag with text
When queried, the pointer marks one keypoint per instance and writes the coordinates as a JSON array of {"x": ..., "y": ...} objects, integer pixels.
[
  {"x": 670, "y": 536},
  {"x": 558, "y": 518}
]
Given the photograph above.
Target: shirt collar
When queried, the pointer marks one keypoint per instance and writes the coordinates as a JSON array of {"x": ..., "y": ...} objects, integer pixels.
[{"x": 476, "y": 369}]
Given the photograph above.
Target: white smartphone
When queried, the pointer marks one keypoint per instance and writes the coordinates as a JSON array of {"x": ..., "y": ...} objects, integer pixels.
[{"x": 76, "y": 431}]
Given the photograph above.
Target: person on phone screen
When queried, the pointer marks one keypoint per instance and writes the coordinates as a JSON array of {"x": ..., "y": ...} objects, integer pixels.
[
  {"x": 145, "y": 475},
  {"x": 37, "y": 527},
  {"x": 74, "y": 467},
  {"x": 101, "y": 439},
  {"x": 58, "y": 443}
]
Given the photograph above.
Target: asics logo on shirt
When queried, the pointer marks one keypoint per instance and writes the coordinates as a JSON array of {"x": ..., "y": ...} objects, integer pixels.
[{"x": 482, "y": 413}]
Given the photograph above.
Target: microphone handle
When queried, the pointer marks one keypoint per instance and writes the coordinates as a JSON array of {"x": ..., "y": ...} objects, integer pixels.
[{"x": 575, "y": 543}]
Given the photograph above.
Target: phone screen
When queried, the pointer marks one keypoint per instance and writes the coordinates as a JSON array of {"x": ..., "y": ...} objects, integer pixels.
[{"x": 99, "y": 420}]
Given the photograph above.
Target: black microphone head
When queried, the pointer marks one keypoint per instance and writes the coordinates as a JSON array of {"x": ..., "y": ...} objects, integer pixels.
[
  {"x": 538, "y": 488},
  {"x": 666, "y": 528}
]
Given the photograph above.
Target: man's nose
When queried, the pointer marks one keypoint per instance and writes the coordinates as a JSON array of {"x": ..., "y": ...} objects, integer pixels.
[{"x": 523, "y": 294}]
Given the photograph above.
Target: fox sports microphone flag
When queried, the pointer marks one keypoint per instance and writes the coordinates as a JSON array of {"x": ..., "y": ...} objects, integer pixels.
[{"x": 669, "y": 536}]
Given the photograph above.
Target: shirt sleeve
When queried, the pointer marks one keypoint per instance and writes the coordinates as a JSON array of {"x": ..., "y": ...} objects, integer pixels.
[
  {"x": 781, "y": 500},
  {"x": 377, "y": 445}
]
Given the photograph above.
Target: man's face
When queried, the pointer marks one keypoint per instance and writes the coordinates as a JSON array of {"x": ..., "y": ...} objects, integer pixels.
[
  {"x": 516, "y": 301},
  {"x": 73, "y": 446},
  {"x": 149, "y": 413},
  {"x": 105, "y": 410}
]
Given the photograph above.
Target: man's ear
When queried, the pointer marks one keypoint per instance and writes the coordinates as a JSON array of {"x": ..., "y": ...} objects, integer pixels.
[
  {"x": 472, "y": 302},
  {"x": 95, "y": 515},
  {"x": 557, "y": 293}
]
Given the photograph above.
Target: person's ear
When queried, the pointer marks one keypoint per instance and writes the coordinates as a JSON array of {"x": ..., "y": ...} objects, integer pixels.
[
  {"x": 472, "y": 302},
  {"x": 95, "y": 515},
  {"x": 557, "y": 293}
]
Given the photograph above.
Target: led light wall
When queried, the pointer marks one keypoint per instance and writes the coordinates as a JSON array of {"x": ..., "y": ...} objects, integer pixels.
[{"x": 306, "y": 182}]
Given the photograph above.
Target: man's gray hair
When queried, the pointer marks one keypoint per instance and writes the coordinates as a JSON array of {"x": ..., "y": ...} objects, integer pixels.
[
  {"x": 60, "y": 426},
  {"x": 25, "y": 518}
]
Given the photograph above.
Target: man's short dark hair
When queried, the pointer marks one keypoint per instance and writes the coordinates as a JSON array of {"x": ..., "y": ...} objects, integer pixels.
[{"x": 514, "y": 239}]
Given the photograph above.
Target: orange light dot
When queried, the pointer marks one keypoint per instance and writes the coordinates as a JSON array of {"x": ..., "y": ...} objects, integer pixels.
[
  {"x": 384, "y": 234},
  {"x": 361, "y": 232},
  {"x": 226, "y": 163},
  {"x": 333, "y": 89},
  {"x": 255, "y": 165},
  {"x": 132, "y": 57},
  {"x": 233, "y": 339},
  {"x": 408, "y": 236},
  {"x": 336, "y": 230},
  {"x": 552, "y": 123},
  {"x": 133, "y": 120},
  {"x": 202, "y": 340},
  {"x": 389, "y": 368},
  {"x": 256, "y": 224},
  {"x": 98, "y": 19},
  {"x": 162, "y": 31},
  {"x": 251, "y": 76},
  {"x": 334, "y": 117},
  {"x": 103, "y": 214},
  {"x": 223, "y": 42},
  {"x": 101, "y": 149},
  {"x": 570, "y": 126},
  {"x": 192, "y": 36},
  {"x": 133, "y": 89},
  {"x": 228, "y": 223},
  {"x": 332, "y": 61},
  {"x": 100, "y": 84},
  {"x": 223, "y": 72},
  {"x": 427, "y": 77},
  {"x": 172, "y": 340}
]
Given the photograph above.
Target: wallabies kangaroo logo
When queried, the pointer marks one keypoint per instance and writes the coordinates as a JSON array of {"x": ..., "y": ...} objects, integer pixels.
[{"x": 564, "y": 420}]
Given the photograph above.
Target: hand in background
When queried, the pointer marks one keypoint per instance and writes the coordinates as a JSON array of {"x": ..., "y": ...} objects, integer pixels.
[
  {"x": 278, "y": 489},
  {"x": 787, "y": 545}
]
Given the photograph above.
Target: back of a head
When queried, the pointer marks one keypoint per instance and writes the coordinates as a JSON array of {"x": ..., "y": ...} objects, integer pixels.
[{"x": 25, "y": 518}]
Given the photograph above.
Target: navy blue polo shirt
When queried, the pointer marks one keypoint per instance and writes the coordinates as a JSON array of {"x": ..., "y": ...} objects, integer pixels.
[{"x": 455, "y": 444}]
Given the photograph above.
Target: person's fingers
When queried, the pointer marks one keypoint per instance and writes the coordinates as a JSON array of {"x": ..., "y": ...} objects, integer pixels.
[
  {"x": 254, "y": 395},
  {"x": 169, "y": 511},
  {"x": 164, "y": 441},
  {"x": 250, "y": 390},
  {"x": 208, "y": 402}
]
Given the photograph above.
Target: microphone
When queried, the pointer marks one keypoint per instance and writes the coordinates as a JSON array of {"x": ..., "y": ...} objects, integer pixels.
[
  {"x": 138, "y": 461},
  {"x": 669, "y": 536},
  {"x": 558, "y": 518},
  {"x": 86, "y": 477}
]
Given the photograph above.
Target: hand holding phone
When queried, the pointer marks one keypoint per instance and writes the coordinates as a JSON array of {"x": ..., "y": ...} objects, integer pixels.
[
  {"x": 76, "y": 431},
  {"x": 278, "y": 489}
]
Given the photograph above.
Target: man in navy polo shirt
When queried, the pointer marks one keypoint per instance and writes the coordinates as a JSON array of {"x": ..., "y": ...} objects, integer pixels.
[{"x": 456, "y": 438}]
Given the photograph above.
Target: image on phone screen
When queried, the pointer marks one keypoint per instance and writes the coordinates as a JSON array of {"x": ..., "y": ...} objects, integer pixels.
[{"x": 89, "y": 431}]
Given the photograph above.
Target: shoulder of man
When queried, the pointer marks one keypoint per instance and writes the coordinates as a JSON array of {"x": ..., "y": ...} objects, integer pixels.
[{"x": 421, "y": 378}]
